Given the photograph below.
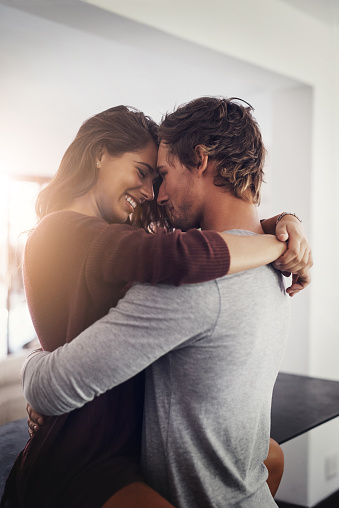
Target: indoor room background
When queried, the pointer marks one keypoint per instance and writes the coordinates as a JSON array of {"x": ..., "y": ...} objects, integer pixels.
[{"x": 62, "y": 62}]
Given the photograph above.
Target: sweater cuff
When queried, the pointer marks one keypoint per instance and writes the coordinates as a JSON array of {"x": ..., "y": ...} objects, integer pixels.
[{"x": 220, "y": 254}]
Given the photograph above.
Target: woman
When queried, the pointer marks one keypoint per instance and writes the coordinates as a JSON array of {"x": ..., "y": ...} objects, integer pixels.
[{"x": 78, "y": 261}]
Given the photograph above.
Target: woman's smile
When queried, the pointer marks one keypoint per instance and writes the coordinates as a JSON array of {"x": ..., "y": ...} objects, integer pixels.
[{"x": 130, "y": 201}]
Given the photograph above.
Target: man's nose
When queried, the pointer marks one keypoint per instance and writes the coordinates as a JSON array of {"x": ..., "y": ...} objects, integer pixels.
[
  {"x": 148, "y": 191},
  {"x": 162, "y": 196}
]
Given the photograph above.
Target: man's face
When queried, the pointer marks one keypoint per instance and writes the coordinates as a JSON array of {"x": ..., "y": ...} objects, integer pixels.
[{"x": 177, "y": 192}]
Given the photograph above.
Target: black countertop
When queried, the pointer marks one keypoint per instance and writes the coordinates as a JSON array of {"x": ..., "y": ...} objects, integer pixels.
[{"x": 301, "y": 403}]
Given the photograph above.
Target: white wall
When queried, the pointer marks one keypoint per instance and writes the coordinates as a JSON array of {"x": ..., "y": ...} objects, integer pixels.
[
  {"x": 56, "y": 73},
  {"x": 289, "y": 178},
  {"x": 311, "y": 466}
]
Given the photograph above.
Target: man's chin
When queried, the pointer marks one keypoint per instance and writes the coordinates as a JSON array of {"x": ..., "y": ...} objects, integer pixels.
[
  {"x": 169, "y": 219},
  {"x": 178, "y": 222},
  {"x": 183, "y": 226}
]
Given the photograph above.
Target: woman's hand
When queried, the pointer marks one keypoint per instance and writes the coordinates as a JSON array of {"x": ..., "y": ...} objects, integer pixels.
[
  {"x": 35, "y": 420},
  {"x": 297, "y": 260}
]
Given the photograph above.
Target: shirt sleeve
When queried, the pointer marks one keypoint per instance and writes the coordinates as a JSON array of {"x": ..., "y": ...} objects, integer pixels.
[
  {"x": 148, "y": 322},
  {"x": 123, "y": 254}
]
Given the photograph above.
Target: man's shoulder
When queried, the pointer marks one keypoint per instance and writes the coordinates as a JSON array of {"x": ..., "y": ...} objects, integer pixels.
[
  {"x": 174, "y": 292},
  {"x": 263, "y": 285},
  {"x": 266, "y": 273}
]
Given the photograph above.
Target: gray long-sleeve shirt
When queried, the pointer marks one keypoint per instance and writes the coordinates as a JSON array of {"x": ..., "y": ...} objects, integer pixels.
[{"x": 213, "y": 352}]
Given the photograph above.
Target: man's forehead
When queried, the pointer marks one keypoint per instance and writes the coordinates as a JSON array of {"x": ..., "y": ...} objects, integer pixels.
[
  {"x": 162, "y": 157},
  {"x": 165, "y": 158},
  {"x": 162, "y": 151}
]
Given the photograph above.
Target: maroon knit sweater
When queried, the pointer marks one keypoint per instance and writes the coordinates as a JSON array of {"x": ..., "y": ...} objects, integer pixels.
[{"x": 76, "y": 267}]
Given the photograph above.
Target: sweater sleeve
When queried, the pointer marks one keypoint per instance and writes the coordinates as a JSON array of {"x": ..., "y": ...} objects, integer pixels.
[
  {"x": 124, "y": 254},
  {"x": 148, "y": 323}
]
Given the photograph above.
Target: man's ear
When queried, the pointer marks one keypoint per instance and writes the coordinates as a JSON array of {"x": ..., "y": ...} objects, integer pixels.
[{"x": 202, "y": 159}]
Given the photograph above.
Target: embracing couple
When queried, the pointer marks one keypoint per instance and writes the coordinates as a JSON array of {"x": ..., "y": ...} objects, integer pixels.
[{"x": 161, "y": 319}]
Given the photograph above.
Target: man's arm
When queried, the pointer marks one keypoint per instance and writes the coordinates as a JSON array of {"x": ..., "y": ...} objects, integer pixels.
[{"x": 148, "y": 323}]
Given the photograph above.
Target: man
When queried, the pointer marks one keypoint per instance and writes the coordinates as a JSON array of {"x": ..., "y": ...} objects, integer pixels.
[{"x": 212, "y": 350}]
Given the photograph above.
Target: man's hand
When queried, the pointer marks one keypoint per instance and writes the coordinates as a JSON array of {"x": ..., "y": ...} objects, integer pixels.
[
  {"x": 34, "y": 420},
  {"x": 298, "y": 257}
]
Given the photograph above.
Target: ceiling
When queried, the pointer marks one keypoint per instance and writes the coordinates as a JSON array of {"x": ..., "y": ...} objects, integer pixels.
[{"x": 326, "y": 10}]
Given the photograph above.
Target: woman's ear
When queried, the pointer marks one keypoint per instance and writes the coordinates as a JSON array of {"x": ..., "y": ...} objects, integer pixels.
[
  {"x": 202, "y": 159},
  {"x": 99, "y": 156}
]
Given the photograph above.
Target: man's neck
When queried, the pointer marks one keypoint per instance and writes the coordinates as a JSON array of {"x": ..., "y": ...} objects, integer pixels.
[{"x": 224, "y": 211}]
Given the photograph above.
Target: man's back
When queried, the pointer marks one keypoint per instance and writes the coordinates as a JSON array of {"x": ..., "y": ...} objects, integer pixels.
[{"x": 207, "y": 415}]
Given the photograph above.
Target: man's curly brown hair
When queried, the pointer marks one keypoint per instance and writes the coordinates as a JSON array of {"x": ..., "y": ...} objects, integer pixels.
[{"x": 228, "y": 133}]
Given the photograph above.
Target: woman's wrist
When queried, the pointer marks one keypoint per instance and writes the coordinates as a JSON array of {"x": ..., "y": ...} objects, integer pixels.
[
  {"x": 287, "y": 213},
  {"x": 269, "y": 225},
  {"x": 247, "y": 252}
]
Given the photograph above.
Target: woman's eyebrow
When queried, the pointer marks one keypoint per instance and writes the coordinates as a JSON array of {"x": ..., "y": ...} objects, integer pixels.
[{"x": 147, "y": 166}]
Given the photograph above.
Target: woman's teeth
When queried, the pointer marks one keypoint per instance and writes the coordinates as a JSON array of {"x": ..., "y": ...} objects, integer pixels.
[{"x": 130, "y": 201}]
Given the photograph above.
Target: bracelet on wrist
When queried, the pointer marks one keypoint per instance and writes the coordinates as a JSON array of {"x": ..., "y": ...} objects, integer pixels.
[{"x": 287, "y": 213}]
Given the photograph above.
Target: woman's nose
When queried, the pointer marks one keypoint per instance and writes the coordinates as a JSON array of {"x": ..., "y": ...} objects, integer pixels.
[{"x": 148, "y": 191}]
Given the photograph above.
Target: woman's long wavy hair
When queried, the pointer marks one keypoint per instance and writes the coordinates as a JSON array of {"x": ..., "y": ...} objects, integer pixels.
[{"x": 120, "y": 129}]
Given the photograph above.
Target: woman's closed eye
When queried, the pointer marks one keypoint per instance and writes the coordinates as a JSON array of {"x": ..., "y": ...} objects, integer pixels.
[{"x": 142, "y": 173}]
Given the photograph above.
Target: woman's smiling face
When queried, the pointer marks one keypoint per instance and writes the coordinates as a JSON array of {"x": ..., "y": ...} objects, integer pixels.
[{"x": 124, "y": 182}]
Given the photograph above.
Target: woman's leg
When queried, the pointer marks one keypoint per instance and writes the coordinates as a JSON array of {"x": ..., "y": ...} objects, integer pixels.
[
  {"x": 137, "y": 495},
  {"x": 275, "y": 466}
]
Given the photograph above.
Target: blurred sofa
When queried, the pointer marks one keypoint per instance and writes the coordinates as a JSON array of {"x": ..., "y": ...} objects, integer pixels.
[
  {"x": 12, "y": 402},
  {"x": 13, "y": 416}
]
